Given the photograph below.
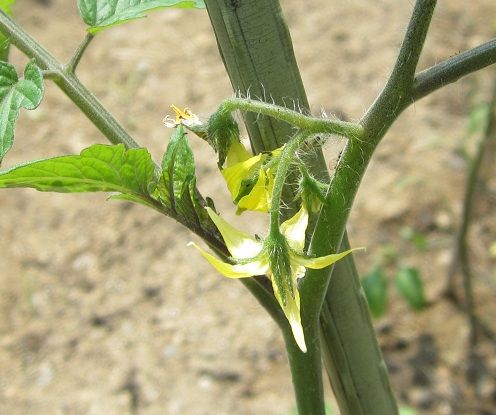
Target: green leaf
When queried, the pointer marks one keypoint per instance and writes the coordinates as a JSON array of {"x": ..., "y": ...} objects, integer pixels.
[
  {"x": 375, "y": 286},
  {"x": 99, "y": 168},
  {"x": 178, "y": 168},
  {"x": 14, "y": 95},
  {"x": 411, "y": 287},
  {"x": 102, "y": 14},
  {"x": 176, "y": 188},
  {"x": 5, "y": 6}
]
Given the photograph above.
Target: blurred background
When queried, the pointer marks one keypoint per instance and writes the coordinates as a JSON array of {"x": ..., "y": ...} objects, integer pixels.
[{"x": 101, "y": 310}]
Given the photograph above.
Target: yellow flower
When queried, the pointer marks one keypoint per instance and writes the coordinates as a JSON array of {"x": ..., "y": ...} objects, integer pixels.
[
  {"x": 183, "y": 117},
  {"x": 249, "y": 180},
  {"x": 252, "y": 256}
]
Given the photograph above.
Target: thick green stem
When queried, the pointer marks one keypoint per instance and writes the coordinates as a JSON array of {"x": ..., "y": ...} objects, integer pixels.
[
  {"x": 255, "y": 45},
  {"x": 306, "y": 369},
  {"x": 331, "y": 226},
  {"x": 355, "y": 361}
]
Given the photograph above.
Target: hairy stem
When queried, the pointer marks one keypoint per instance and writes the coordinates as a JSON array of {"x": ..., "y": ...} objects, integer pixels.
[
  {"x": 452, "y": 69},
  {"x": 311, "y": 125},
  {"x": 396, "y": 95},
  {"x": 356, "y": 155},
  {"x": 255, "y": 45},
  {"x": 287, "y": 156}
]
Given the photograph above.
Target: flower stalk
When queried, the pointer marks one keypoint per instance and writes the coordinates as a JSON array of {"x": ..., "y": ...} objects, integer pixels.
[{"x": 309, "y": 124}]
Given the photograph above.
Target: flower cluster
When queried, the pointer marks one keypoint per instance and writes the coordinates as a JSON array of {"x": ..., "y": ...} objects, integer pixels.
[{"x": 251, "y": 180}]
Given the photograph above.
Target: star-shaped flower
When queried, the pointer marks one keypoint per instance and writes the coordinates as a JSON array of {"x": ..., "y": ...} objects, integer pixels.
[
  {"x": 183, "y": 117},
  {"x": 281, "y": 258}
]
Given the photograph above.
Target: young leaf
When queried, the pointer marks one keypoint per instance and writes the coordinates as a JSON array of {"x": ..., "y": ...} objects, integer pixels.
[
  {"x": 411, "y": 288},
  {"x": 102, "y": 14},
  {"x": 14, "y": 95},
  {"x": 176, "y": 188},
  {"x": 375, "y": 287},
  {"x": 5, "y": 6},
  {"x": 178, "y": 167},
  {"x": 99, "y": 168}
]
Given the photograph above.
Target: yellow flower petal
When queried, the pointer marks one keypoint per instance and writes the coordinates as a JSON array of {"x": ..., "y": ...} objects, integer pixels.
[
  {"x": 233, "y": 271},
  {"x": 237, "y": 154},
  {"x": 258, "y": 198},
  {"x": 292, "y": 312},
  {"x": 323, "y": 261},
  {"x": 239, "y": 244},
  {"x": 294, "y": 230},
  {"x": 235, "y": 174},
  {"x": 296, "y": 327}
]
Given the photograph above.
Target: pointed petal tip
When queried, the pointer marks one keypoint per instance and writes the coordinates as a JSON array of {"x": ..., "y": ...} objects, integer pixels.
[{"x": 298, "y": 335}]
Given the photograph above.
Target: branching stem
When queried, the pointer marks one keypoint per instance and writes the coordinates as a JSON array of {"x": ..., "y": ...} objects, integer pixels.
[
  {"x": 67, "y": 82},
  {"x": 452, "y": 69}
]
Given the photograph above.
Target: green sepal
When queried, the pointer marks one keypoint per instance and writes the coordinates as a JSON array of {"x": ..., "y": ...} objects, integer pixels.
[
  {"x": 310, "y": 191},
  {"x": 222, "y": 130},
  {"x": 102, "y": 14},
  {"x": 15, "y": 94},
  {"x": 277, "y": 249}
]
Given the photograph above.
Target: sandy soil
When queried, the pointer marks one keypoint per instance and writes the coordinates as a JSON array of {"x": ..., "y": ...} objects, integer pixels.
[{"x": 100, "y": 309}]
